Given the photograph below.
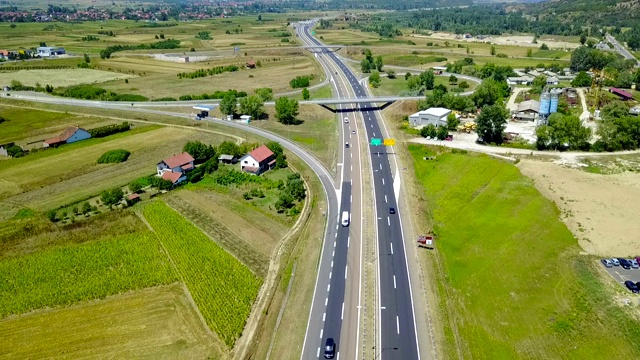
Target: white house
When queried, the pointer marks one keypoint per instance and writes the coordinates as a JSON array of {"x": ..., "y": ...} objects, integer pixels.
[
  {"x": 258, "y": 161},
  {"x": 46, "y": 51},
  {"x": 552, "y": 80},
  {"x": 176, "y": 164},
  {"x": 436, "y": 116},
  {"x": 70, "y": 135},
  {"x": 519, "y": 80}
]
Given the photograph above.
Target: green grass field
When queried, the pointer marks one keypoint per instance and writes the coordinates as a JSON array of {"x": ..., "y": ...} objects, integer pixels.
[
  {"x": 399, "y": 85},
  {"x": 71, "y": 274},
  {"x": 510, "y": 280},
  {"x": 221, "y": 286},
  {"x": 154, "y": 323}
]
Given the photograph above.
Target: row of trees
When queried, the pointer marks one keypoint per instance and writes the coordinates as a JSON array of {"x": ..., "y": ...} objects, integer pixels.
[
  {"x": 207, "y": 72},
  {"x": 369, "y": 64}
]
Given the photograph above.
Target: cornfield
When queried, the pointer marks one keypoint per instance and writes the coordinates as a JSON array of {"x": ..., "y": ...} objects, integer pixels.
[
  {"x": 221, "y": 286},
  {"x": 71, "y": 274}
]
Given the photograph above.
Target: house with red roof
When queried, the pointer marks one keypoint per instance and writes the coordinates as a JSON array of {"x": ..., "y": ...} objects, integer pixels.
[
  {"x": 621, "y": 93},
  {"x": 175, "y": 168},
  {"x": 258, "y": 161},
  {"x": 68, "y": 136}
]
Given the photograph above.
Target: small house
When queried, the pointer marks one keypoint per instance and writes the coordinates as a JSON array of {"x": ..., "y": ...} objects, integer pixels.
[
  {"x": 4, "y": 54},
  {"x": 258, "y": 161},
  {"x": 227, "y": 159},
  {"x": 251, "y": 64},
  {"x": 178, "y": 164},
  {"x": 527, "y": 110},
  {"x": 519, "y": 80},
  {"x": 70, "y": 135},
  {"x": 552, "y": 80},
  {"x": 133, "y": 198},
  {"x": 175, "y": 177}
]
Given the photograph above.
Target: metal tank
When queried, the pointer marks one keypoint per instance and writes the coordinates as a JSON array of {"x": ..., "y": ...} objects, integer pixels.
[
  {"x": 553, "y": 108},
  {"x": 545, "y": 104}
]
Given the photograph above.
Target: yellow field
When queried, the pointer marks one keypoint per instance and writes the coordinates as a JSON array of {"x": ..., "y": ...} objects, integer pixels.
[{"x": 155, "y": 323}]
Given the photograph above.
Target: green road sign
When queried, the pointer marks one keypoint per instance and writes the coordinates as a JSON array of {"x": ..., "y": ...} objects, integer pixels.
[
  {"x": 313, "y": 33},
  {"x": 376, "y": 142}
]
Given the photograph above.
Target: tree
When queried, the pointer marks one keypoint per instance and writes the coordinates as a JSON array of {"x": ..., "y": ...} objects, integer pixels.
[
  {"x": 286, "y": 110},
  {"x": 87, "y": 59},
  {"x": 581, "y": 80},
  {"x": 228, "y": 104},
  {"x": 266, "y": 94},
  {"x": 493, "y": 50},
  {"x": 295, "y": 187},
  {"x": 453, "y": 79},
  {"x": 285, "y": 201},
  {"x": 252, "y": 105},
  {"x": 539, "y": 82},
  {"x": 305, "y": 94},
  {"x": 583, "y": 39},
  {"x": 428, "y": 79},
  {"x": 563, "y": 132},
  {"x": 229, "y": 148},
  {"x": 544, "y": 47},
  {"x": 488, "y": 92},
  {"x": 52, "y": 215},
  {"x": 111, "y": 197},
  {"x": 13, "y": 26},
  {"x": 365, "y": 66},
  {"x": 378, "y": 63},
  {"x": 407, "y": 76},
  {"x": 614, "y": 110},
  {"x": 442, "y": 132},
  {"x": 428, "y": 131},
  {"x": 259, "y": 17},
  {"x": 86, "y": 208},
  {"x": 15, "y": 151},
  {"x": 135, "y": 186},
  {"x": 374, "y": 79},
  {"x": 199, "y": 151},
  {"x": 463, "y": 85},
  {"x": 529, "y": 52},
  {"x": 452, "y": 122},
  {"x": 491, "y": 123},
  {"x": 391, "y": 74}
]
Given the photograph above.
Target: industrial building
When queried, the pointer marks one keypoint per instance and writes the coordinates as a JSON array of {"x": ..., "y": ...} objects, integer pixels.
[
  {"x": 436, "y": 116},
  {"x": 47, "y": 51}
]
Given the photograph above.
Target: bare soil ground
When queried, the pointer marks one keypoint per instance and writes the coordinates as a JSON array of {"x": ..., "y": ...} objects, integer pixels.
[
  {"x": 516, "y": 40},
  {"x": 602, "y": 211},
  {"x": 155, "y": 323},
  {"x": 60, "y": 77}
]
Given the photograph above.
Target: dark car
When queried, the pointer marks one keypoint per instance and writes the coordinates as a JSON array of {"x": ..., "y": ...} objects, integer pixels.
[
  {"x": 392, "y": 210},
  {"x": 629, "y": 284},
  {"x": 330, "y": 348},
  {"x": 625, "y": 263}
]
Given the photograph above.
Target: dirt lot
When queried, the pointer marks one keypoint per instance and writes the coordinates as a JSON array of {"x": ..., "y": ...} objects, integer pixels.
[
  {"x": 60, "y": 77},
  {"x": 601, "y": 210},
  {"x": 521, "y": 40}
]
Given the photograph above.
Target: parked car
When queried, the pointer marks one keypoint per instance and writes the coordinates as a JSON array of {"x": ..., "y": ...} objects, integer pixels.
[
  {"x": 624, "y": 263},
  {"x": 607, "y": 263},
  {"x": 634, "y": 263},
  {"x": 615, "y": 262},
  {"x": 330, "y": 348},
  {"x": 631, "y": 286},
  {"x": 638, "y": 260}
]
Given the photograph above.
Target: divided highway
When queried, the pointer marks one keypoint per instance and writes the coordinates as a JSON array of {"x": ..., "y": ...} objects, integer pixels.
[{"x": 397, "y": 337}]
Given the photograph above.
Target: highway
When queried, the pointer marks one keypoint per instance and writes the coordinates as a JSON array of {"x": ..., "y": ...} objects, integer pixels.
[
  {"x": 621, "y": 49},
  {"x": 396, "y": 332}
]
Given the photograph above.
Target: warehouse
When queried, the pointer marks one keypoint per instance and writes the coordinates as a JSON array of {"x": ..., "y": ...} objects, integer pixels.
[{"x": 436, "y": 116}]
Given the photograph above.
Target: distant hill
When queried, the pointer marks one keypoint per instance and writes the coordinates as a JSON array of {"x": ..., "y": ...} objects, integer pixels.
[{"x": 623, "y": 13}]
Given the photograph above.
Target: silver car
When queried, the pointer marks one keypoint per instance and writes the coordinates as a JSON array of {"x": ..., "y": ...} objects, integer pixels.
[
  {"x": 607, "y": 263},
  {"x": 634, "y": 263},
  {"x": 615, "y": 262}
]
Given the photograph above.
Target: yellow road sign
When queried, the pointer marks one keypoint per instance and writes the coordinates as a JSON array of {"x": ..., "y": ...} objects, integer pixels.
[{"x": 389, "y": 142}]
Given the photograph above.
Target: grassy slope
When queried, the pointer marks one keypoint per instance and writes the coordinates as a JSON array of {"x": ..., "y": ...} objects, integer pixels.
[
  {"x": 515, "y": 286},
  {"x": 155, "y": 323}
]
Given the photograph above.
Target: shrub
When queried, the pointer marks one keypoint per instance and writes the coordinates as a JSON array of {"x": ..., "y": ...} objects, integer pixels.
[
  {"x": 114, "y": 157},
  {"x": 300, "y": 82},
  {"x": 109, "y": 130}
]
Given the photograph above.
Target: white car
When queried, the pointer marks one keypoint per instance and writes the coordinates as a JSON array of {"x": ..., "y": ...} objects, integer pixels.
[
  {"x": 634, "y": 263},
  {"x": 615, "y": 262},
  {"x": 346, "y": 120},
  {"x": 353, "y": 131}
]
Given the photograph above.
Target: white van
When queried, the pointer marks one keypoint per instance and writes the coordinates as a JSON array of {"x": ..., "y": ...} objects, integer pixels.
[{"x": 345, "y": 218}]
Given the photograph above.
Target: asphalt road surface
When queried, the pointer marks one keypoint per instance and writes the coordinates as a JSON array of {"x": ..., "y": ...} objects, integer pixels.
[
  {"x": 621, "y": 49},
  {"x": 397, "y": 331}
]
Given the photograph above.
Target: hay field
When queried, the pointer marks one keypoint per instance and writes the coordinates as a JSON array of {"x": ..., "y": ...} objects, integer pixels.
[
  {"x": 60, "y": 77},
  {"x": 155, "y": 323}
]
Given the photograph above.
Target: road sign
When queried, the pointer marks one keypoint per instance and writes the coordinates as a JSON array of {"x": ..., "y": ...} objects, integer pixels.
[
  {"x": 313, "y": 33},
  {"x": 389, "y": 142},
  {"x": 376, "y": 142}
]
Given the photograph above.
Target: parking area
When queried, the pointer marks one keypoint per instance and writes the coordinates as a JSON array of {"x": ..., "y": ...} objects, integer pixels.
[{"x": 621, "y": 274}]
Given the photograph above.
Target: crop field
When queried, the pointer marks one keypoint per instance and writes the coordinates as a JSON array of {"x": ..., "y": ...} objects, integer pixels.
[
  {"x": 243, "y": 230},
  {"x": 154, "y": 323},
  {"x": 68, "y": 174},
  {"x": 509, "y": 275},
  {"x": 60, "y": 77},
  {"x": 221, "y": 286},
  {"x": 71, "y": 274}
]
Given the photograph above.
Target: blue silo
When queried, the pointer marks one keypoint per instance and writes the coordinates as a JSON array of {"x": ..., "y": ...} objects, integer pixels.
[
  {"x": 545, "y": 104},
  {"x": 554, "y": 103}
]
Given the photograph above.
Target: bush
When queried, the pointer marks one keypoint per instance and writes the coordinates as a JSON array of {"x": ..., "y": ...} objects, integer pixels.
[
  {"x": 300, "y": 82},
  {"x": 109, "y": 130},
  {"x": 114, "y": 157}
]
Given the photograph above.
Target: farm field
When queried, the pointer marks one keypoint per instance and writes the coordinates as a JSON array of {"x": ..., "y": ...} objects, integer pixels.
[
  {"x": 60, "y": 77},
  {"x": 513, "y": 267},
  {"x": 53, "y": 178},
  {"x": 153, "y": 323},
  {"x": 221, "y": 286},
  {"x": 72, "y": 274}
]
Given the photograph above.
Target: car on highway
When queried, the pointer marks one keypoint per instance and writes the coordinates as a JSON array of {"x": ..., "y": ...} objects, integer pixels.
[
  {"x": 634, "y": 263},
  {"x": 346, "y": 145},
  {"x": 330, "y": 348},
  {"x": 346, "y": 120},
  {"x": 615, "y": 262},
  {"x": 624, "y": 263},
  {"x": 345, "y": 218},
  {"x": 392, "y": 210},
  {"x": 631, "y": 286},
  {"x": 607, "y": 263},
  {"x": 353, "y": 131}
]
